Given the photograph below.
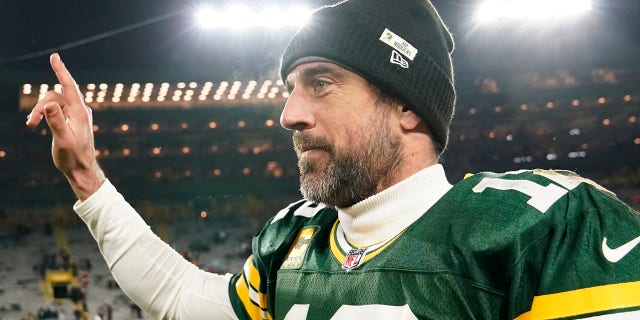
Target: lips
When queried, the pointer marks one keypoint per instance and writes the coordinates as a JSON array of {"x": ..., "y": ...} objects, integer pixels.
[
  {"x": 305, "y": 151},
  {"x": 308, "y": 148}
]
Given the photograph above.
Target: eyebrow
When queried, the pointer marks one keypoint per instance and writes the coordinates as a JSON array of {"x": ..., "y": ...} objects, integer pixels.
[{"x": 313, "y": 71}]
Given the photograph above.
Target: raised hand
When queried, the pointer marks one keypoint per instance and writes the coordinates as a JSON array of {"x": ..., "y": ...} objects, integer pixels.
[{"x": 71, "y": 124}]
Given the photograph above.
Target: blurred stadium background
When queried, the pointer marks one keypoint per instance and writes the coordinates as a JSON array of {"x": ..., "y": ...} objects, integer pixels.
[{"x": 186, "y": 122}]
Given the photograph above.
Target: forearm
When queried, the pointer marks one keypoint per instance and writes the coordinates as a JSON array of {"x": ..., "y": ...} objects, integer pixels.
[{"x": 154, "y": 275}]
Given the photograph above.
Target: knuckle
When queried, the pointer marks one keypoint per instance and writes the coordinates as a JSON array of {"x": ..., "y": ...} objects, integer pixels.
[{"x": 51, "y": 94}]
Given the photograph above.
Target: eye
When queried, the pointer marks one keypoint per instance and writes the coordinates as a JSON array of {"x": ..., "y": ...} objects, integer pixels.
[{"x": 319, "y": 85}]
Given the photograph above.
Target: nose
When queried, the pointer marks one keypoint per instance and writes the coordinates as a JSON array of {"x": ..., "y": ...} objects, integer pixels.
[{"x": 297, "y": 113}]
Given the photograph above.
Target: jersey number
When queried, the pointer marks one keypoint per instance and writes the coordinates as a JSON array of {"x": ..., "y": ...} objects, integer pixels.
[
  {"x": 541, "y": 197},
  {"x": 370, "y": 311}
]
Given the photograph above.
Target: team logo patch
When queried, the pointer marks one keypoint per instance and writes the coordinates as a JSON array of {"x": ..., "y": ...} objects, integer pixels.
[
  {"x": 298, "y": 251},
  {"x": 396, "y": 58},
  {"x": 354, "y": 259}
]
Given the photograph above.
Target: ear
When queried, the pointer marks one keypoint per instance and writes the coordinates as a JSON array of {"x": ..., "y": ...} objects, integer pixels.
[{"x": 409, "y": 120}]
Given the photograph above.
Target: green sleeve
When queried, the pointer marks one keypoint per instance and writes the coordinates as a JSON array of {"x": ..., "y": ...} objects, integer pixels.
[{"x": 582, "y": 260}]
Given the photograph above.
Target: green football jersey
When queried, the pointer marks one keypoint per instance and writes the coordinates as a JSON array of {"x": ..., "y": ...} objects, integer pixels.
[{"x": 519, "y": 245}]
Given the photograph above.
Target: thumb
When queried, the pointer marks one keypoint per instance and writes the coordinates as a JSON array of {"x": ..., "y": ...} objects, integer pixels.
[{"x": 55, "y": 118}]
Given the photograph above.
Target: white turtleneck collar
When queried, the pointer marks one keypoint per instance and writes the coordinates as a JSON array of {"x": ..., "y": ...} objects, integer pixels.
[{"x": 386, "y": 214}]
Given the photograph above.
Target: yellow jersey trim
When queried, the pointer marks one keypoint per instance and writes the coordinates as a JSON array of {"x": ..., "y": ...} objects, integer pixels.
[
  {"x": 335, "y": 250},
  {"x": 584, "y": 301},
  {"x": 339, "y": 253}
]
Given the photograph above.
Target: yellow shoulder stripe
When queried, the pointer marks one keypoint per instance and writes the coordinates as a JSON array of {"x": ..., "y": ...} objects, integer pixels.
[
  {"x": 254, "y": 301},
  {"x": 584, "y": 301},
  {"x": 251, "y": 273},
  {"x": 253, "y": 310}
]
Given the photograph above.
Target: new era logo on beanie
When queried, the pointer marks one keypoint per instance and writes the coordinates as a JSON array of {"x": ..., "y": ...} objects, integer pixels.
[
  {"x": 396, "y": 58},
  {"x": 400, "y": 46}
]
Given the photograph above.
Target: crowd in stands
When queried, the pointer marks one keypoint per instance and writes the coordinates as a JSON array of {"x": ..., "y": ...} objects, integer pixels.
[{"x": 213, "y": 245}]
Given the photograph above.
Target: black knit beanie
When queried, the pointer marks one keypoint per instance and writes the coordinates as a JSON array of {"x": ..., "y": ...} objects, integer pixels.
[{"x": 400, "y": 46}]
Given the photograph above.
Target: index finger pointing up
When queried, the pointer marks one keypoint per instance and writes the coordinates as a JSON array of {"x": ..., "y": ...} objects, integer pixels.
[{"x": 69, "y": 86}]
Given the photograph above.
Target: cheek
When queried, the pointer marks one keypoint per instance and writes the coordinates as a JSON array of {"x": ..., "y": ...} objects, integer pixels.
[
  {"x": 349, "y": 124},
  {"x": 353, "y": 136}
]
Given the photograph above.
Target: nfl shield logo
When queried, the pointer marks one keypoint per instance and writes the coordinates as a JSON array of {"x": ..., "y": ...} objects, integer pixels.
[{"x": 353, "y": 259}]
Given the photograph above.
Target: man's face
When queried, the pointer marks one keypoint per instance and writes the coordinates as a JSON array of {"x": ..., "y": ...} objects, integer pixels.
[{"x": 345, "y": 143}]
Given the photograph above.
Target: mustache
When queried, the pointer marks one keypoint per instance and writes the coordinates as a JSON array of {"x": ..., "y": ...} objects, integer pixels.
[{"x": 303, "y": 141}]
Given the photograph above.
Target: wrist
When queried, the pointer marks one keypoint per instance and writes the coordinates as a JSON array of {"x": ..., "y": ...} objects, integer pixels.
[{"x": 85, "y": 182}]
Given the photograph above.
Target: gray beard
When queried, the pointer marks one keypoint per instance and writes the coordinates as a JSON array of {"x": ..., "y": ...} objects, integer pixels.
[{"x": 354, "y": 174}]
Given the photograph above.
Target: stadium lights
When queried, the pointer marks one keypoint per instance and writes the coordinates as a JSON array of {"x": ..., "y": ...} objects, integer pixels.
[
  {"x": 185, "y": 94},
  {"x": 242, "y": 17},
  {"x": 494, "y": 10}
]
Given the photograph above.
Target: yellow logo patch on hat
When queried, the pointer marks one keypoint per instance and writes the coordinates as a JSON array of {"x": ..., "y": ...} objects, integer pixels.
[{"x": 396, "y": 42}]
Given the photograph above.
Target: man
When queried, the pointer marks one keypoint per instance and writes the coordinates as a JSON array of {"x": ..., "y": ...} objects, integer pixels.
[{"x": 381, "y": 234}]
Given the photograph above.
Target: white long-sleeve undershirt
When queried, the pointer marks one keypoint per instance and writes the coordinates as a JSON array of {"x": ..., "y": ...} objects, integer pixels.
[
  {"x": 147, "y": 269},
  {"x": 167, "y": 286}
]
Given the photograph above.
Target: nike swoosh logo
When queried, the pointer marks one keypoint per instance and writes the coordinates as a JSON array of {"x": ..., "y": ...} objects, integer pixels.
[{"x": 614, "y": 255}]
